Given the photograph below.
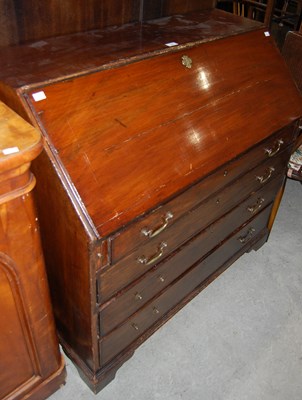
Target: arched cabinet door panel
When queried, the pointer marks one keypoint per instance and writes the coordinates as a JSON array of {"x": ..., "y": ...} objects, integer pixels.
[{"x": 18, "y": 362}]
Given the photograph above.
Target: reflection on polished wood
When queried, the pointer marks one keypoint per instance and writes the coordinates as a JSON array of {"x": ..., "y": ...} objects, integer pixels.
[
  {"x": 30, "y": 361},
  {"x": 218, "y": 115},
  {"x": 155, "y": 175}
]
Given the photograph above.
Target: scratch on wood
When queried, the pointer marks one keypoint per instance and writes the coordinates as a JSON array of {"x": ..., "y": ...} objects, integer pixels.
[
  {"x": 88, "y": 162},
  {"x": 120, "y": 122},
  {"x": 116, "y": 215}
]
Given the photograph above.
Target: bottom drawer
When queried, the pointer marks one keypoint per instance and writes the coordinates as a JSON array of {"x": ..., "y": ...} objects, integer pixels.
[{"x": 122, "y": 337}]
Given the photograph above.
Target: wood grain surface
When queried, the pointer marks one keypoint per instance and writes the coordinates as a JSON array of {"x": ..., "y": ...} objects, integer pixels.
[
  {"x": 30, "y": 363},
  {"x": 111, "y": 148},
  {"x": 132, "y": 126}
]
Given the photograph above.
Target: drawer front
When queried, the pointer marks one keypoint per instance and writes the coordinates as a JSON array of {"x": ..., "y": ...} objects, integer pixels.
[
  {"x": 145, "y": 257},
  {"x": 132, "y": 329},
  {"x": 126, "y": 303},
  {"x": 162, "y": 218}
]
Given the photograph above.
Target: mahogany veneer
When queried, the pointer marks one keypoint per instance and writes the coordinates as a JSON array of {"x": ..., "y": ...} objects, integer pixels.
[
  {"x": 161, "y": 166},
  {"x": 30, "y": 363}
]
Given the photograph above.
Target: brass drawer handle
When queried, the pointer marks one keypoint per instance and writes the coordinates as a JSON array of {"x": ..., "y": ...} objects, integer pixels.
[
  {"x": 257, "y": 206},
  {"x": 272, "y": 152},
  {"x": 265, "y": 178},
  {"x": 147, "y": 261},
  {"x": 248, "y": 236},
  {"x": 150, "y": 233},
  {"x": 186, "y": 61}
]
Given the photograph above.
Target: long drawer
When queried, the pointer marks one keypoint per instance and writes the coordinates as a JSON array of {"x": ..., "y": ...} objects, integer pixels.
[
  {"x": 123, "y": 242},
  {"x": 148, "y": 255},
  {"x": 129, "y": 301},
  {"x": 122, "y": 337}
]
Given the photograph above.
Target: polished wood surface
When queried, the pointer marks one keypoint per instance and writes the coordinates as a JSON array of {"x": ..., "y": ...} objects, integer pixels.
[
  {"x": 188, "y": 226},
  {"x": 19, "y": 142},
  {"x": 158, "y": 172},
  {"x": 72, "y": 290},
  {"x": 117, "y": 138},
  {"x": 30, "y": 362},
  {"x": 128, "y": 239},
  {"x": 57, "y": 58}
]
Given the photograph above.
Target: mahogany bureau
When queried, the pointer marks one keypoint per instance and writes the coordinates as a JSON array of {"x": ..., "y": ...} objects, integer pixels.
[
  {"x": 31, "y": 366},
  {"x": 165, "y": 150}
]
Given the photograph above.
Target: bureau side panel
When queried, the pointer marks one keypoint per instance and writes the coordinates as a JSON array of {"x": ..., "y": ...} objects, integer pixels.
[{"x": 67, "y": 254}]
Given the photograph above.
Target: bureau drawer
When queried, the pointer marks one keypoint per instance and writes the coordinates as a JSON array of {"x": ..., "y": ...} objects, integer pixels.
[
  {"x": 142, "y": 259},
  {"x": 127, "y": 302},
  {"x": 163, "y": 217},
  {"x": 132, "y": 329}
]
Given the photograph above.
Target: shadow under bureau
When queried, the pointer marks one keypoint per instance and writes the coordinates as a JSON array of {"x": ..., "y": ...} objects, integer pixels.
[{"x": 165, "y": 147}]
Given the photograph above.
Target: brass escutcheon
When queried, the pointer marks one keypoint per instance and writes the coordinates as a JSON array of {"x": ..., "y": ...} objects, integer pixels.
[{"x": 186, "y": 61}]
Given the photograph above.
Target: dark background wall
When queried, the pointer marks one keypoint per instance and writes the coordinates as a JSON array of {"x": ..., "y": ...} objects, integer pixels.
[{"x": 25, "y": 20}]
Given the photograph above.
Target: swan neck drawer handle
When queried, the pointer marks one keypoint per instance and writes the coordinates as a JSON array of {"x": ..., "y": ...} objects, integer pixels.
[
  {"x": 248, "y": 236},
  {"x": 152, "y": 233},
  {"x": 272, "y": 152},
  {"x": 265, "y": 178},
  {"x": 147, "y": 261},
  {"x": 257, "y": 206}
]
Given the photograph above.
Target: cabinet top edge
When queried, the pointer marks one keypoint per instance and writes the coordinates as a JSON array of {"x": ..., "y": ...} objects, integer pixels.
[
  {"x": 55, "y": 59},
  {"x": 20, "y": 143}
]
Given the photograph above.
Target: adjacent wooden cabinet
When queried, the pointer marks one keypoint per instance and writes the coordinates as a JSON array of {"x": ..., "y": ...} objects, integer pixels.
[
  {"x": 166, "y": 144},
  {"x": 30, "y": 363}
]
